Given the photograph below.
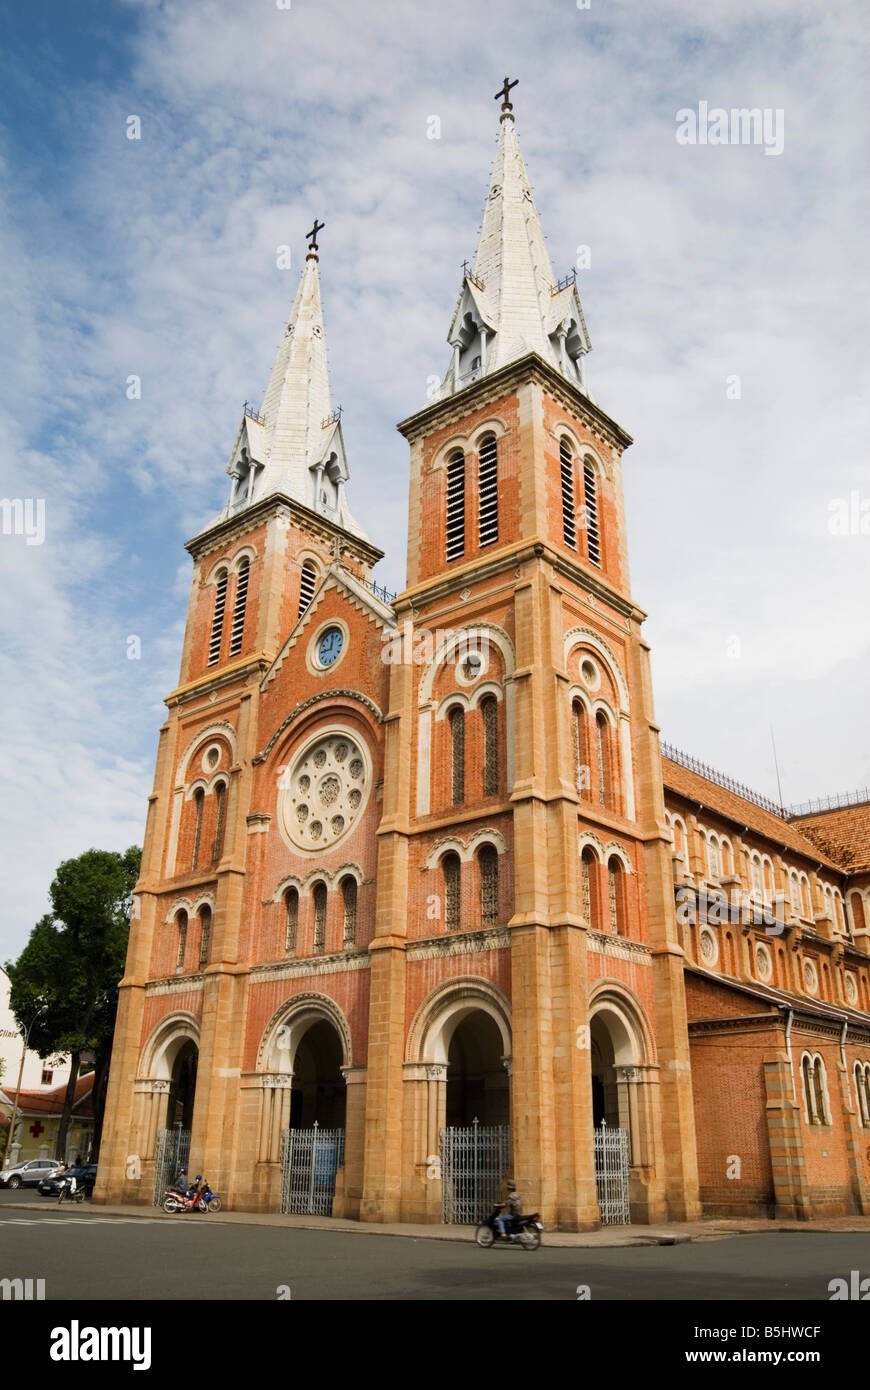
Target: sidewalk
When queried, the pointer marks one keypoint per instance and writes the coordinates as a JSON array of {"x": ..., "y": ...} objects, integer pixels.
[{"x": 672, "y": 1233}]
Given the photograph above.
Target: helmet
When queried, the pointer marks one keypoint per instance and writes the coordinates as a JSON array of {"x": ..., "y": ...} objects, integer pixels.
[
  {"x": 199, "y": 1177},
  {"x": 511, "y": 1185}
]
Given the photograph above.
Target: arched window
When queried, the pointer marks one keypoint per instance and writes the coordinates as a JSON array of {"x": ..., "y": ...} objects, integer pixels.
[
  {"x": 199, "y": 801},
  {"x": 217, "y": 622},
  {"x": 757, "y": 880},
  {"x": 291, "y": 920},
  {"x": 605, "y": 762},
  {"x": 489, "y": 711},
  {"x": 794, "y": 888},
  {"x": 451, "y": 869},
  {"x": 820, "y": 1089},
  {"x": 181, "y": 919},
  {"x": 217, "y": 848},
  {"x": 727, "y": 857},
  {"x": 593, "y": 532},
  {"x": 864, "y": 1094},
  {"x": 488, "y": 861},
  {"x": 487, "y": 494},
  {"x": 768, "y": 881},
  {"x": 205, "y": 936},
  {"x": 457, "y": 754},
  {"x": 455, "y": 505},
  {"x": 616, "y": 886},
  {"x": 809, "y": 1095},
  {"x": 806, "y": 897},
  {"x": 714, "y": 863},
  {"x": 680, "y": 846},
  {"x": 569, "y": 514},
  {"x": 859, "y": 918},
  {"x": 582, "y": 771},
  {"x": 239, "y": 611},
  {"x": 589, "y": 875},
  {"x": 319, "y": 916},
  {"x": 306, "y": 586},
  {"x": 348, "y": 893}
]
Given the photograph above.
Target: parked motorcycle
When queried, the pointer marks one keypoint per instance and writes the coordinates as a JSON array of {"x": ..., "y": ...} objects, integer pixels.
[
  {"x": 204, "y": 1200},
  {"x": 71, "y": 1190},
  {"x": 524, "y": 1231}
]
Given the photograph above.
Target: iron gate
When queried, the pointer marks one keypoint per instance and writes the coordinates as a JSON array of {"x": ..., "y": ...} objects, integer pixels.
[
  {"x": 310, "y": 1159},
  {"x": 173, "y": 1153},
  {"x": 474, "y": 1161},
  {"x": 611, "y": 1175}
]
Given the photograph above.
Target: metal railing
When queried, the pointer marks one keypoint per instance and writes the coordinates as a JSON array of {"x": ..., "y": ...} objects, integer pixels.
[
  {"x": 566, "y": 280},
  {"x": 831, "y": 803},
  {"x": 676, "y": 755},
  {"x": 331, "y": 419},
  {"x": 253, "y": 414}
]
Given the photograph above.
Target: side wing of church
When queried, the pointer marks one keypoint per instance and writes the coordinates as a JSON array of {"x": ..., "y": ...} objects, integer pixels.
[{"x": 422, "y": 907}]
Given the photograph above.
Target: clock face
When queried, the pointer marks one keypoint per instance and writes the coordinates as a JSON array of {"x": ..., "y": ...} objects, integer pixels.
[{"x": 330, "y": 645}]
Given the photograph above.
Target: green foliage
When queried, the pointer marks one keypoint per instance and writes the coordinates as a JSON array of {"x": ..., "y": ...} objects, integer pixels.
[{"x": 76, "y": 953}]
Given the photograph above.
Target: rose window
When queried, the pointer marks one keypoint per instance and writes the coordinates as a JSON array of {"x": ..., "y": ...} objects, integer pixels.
[{"x": 324, "y": 792}]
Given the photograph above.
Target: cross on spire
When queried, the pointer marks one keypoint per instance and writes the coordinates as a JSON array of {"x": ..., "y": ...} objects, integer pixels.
[
  {"x": 505, "y": 94},
  {"x": 312, "y": 235}
]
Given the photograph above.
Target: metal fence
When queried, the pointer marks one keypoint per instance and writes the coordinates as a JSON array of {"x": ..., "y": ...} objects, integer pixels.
[
  {"x": 611, "y": 1175},
  {"x": 173, "y": 1153},
  {"x": 310, "y": 1159},
  {"x": 474, "y": 1161}
]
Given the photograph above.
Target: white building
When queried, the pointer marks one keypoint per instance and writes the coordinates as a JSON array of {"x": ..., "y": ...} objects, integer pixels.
[{"x": 38, "y": 1075}]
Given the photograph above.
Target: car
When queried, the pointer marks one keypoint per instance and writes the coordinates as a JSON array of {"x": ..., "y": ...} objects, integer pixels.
[
  {"x": 30, "y": 1173},
  {"x": 85, "y": 1177}
]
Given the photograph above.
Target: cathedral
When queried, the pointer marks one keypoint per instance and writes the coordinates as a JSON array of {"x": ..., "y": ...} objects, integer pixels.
[{"x": 424, "y": 902}]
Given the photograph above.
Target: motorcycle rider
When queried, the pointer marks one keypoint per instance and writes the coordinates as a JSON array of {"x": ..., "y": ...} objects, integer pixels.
[
  {"x": 180, "y": 1184},
  {"x": 512, "y": 1206}
]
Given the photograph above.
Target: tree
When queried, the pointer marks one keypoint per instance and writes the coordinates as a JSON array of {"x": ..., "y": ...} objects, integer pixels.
[{"x": 72, "y": 963}]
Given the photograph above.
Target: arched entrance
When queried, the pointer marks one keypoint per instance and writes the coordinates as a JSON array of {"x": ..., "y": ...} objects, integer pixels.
[
  {"x": 182, "y": 1087},
  {"x": 478, "y": 1086},
  {"x": 319, "y": 1093},
  {"x": 617, "y": 1061},
  {"x": 305, "y": 1059},
  {"x": 460, "y": 1055}
]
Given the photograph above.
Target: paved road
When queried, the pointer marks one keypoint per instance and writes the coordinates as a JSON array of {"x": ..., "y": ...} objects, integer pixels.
[{"x": 83, "y": 1255}]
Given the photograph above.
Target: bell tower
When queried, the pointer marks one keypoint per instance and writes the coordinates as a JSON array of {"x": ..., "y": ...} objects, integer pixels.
[{"x": 517, "y": 540}]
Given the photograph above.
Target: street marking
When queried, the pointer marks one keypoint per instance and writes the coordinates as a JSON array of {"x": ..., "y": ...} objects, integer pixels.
[{"x": 81, "y": 1221}]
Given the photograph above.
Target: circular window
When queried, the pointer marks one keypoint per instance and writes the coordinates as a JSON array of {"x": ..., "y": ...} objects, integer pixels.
[
  {"x": 328, "y": 647},
  {"x": 324, "y": 791},
  {"x": 589, "y": 673},
  {"x": 851, "y": 989},
  {"x": 471, "y": 664},
  {"x": 763, "y": 963},
  {"x": 211, "y": 757},
  {"x": 811, "y": 979},
  {"x": 709, "y": 953}
]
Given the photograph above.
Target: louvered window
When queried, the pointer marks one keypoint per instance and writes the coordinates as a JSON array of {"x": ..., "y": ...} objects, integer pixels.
[
  {"x": 488, "y": 492},
  {"x": 348, "y": 889},
  {"x": 239, "y": 610},
  {"x": 291, "y": 907},
  {"x": 488, "y": 860},
  {"x": 451, "y": 869},
  {"x": 199, "y": 799},
  {"x": 319, "y": 916},
  {"x": 569, "y": 518},
  {"x": 489, "y": 710},
  {"x": 457, "y": 750},
  {"x": 217, "y": 848},
  {"x": 306, "y": 587},
  {"x": 205, "y": 937},
  {"x": 456, "y": 506},
  {"x": 182, "y": 942},
  {"x": 217, "y": 624},
  {"x": 593, "y": 533}
]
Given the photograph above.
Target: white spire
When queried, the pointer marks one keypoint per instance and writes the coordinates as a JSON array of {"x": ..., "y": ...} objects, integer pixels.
[
  {"x": 294, "y": 444},
  {"x": 510, "y": 305}
]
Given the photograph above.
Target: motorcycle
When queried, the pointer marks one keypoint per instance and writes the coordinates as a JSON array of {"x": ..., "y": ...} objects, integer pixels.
[
  {"x": 70, "y": 1189},
  {"x": 524, "y": 1231},
  {"x": 204, "y": 1200}
]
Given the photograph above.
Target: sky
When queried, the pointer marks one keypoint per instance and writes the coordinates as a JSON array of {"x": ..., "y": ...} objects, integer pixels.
[{"x": 725, "y": 295}]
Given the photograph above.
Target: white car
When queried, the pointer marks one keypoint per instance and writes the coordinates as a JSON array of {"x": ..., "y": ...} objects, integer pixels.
[{"x": 28, "y": 1174}]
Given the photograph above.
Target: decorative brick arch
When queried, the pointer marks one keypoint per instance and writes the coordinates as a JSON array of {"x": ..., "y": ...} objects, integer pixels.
[
  {"x": 441, "y": 1012},
  {"x": 291, "y": 1021}
]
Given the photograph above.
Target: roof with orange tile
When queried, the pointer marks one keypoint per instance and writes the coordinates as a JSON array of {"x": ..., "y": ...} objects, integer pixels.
[
  {"x": 842, "y": 833},
  {"x": 744, "y": 812},
  {"x": 51, "y": 1102}
]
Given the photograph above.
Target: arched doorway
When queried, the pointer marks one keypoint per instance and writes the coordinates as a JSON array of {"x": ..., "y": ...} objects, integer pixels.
[
  {"x": 478, "y": 1086},
  {"x": 182, "y": 1087},
  {"x": 319, "y": 1091},
  {"x": 617, "y": 1058}
]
